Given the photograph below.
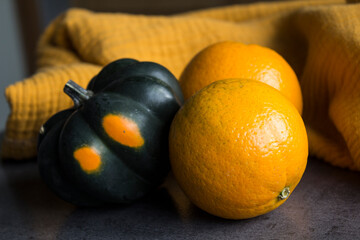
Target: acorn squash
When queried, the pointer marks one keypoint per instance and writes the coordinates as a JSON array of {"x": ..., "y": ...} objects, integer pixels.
[{"x": 112, "y": 146}]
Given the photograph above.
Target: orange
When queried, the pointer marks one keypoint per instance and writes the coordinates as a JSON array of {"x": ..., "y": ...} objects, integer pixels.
[
  {"x": 238, "y": 148},
  {"x": 225, "y": 60}
]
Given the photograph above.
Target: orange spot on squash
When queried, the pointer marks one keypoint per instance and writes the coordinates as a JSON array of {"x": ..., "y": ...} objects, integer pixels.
[
  {"x": 88, "y": 158},
  {"x": 123, "y": 130}
]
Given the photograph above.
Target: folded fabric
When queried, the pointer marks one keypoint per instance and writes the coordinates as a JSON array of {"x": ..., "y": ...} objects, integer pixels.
[{"x": 320, "y": 40}]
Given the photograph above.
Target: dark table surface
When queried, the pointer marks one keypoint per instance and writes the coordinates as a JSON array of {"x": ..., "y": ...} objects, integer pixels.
[{"x": 325, "y": 205}]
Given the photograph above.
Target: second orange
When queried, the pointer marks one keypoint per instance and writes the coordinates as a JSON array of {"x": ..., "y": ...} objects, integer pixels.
[{"x": 229, "y": 59}]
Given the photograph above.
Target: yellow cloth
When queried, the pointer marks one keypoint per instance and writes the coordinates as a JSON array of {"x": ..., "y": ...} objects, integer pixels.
[{"x": 320, "y": 40}]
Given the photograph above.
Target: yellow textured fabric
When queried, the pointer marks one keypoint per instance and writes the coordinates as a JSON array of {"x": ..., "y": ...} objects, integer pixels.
[{"x": 320, "y": 40}]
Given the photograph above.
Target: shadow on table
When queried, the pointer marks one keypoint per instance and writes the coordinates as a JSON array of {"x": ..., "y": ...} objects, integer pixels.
[
  {"x": 27, "y": 187},
  {"x": 324, "y": 193},
  {"x": 44, "y": 214},
  {"x": 166, "y": 213}
]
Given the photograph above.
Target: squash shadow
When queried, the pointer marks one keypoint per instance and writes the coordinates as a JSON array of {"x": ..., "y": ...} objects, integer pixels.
[
  {"x": 165, "y": 213},
  {"x": 27, "y": 188}
]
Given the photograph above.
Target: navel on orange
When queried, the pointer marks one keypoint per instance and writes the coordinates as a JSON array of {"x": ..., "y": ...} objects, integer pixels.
[
  {"x": 238, "y": 148},
  {"x": 228, "y": 59}
]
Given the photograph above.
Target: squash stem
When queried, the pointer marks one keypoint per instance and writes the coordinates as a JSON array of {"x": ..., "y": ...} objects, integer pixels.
[{"x": 77, "y": 93}]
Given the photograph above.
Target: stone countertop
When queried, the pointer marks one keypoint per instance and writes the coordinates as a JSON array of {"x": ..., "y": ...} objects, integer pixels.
[{"x": 325, "y": 205}]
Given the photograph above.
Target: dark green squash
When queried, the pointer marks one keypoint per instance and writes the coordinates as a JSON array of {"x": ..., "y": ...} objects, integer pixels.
[{"x": 112, "y": 146}]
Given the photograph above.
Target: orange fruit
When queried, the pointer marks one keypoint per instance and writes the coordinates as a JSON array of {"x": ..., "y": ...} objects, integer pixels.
[
  {"x": 238, "y": 148},
  {"x": 225, "y": 60}
]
